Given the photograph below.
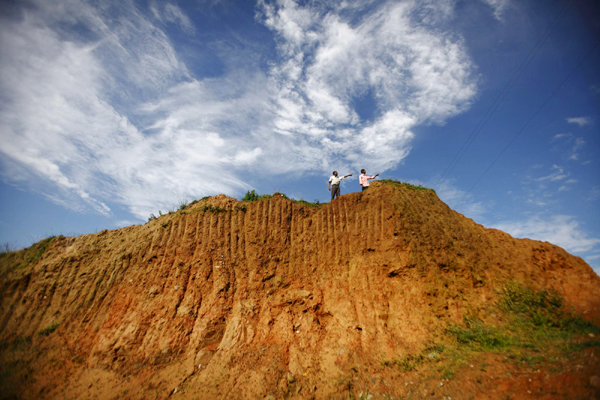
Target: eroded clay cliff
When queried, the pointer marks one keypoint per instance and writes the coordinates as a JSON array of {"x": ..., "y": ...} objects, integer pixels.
[{"x": 275, "y": 298}]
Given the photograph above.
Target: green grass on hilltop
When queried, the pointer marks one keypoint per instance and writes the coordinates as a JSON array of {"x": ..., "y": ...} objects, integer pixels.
[
  {"x": 404, "y": 185},
  {"x": 252, "y": 196},
  {"x": 25, "y": 257}
]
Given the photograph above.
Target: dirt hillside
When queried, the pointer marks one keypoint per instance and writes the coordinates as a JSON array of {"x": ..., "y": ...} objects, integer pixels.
[{"x": 364, "y": 297}]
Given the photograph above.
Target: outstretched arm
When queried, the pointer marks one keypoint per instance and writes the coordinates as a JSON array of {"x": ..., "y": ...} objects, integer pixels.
[{"x": 345, "y": 176}]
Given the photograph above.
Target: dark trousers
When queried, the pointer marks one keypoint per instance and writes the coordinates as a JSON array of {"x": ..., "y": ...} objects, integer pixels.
[
  {"x": 364, "y": 188},
  {"x": 335, "y": 191}
]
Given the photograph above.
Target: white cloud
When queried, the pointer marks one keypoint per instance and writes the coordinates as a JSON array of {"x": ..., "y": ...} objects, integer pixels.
[
  {"x": 498, "y": 6},
  {"x": 172, "y": 13},
  {"x": 417, "y": 75},
  {"x": 558, "y": 174},
  {"x": 581, "y": 121},
  {"x": 459, "y": 200},
  {"x": 574, "y": 155},
  {"x": 56, "y": 119},
  {"x": 97, "y": 104},
  {"x": 561, "y": 136},
  {"x": 593, "y": 195},
  {"x": 536, "y": 202},
  {"x": 124, "y": 223},
  {"x": 562, "y": 230}
]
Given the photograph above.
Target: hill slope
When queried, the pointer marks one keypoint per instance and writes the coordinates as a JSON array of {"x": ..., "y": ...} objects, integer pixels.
[{"x": 277, "y": 299}]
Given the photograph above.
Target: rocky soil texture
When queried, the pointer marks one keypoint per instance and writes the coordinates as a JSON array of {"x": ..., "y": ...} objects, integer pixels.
[{"x": 381, "y": 294}]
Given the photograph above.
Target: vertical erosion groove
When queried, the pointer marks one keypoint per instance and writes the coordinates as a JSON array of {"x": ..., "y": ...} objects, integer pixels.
[
  {"x": 209, "y": 240},
  {"x": 287, "y": 220},
  {"x": 197, "y": 237},
  {"x": 356, "y": 222},
  {"x": 313, "y": 241},
  {"x": 325, "y": 236},
  {"x": 227, "y": 233},
  {"x": 270, "y": 220},
  {"x": 336, "y": 253},
  {"x": 292, "y": 234},
  {"x": 233, "y": 240},
  {"x": 242, "y": 234},
  {"x": 219, "y": 234},
  {"x": 382, "y": 237},
  {"x": 261, "y": 220},
  {"x": 369, "y": 213},
  {"x": 305, "y": 239},
  {"x": 205, "y": 228},
  {"x": 164, "y": 246},
  {"x": 349, "y": 233},
  {"x": 375, "y": 227},
  {"x": 247, "y": 221}
]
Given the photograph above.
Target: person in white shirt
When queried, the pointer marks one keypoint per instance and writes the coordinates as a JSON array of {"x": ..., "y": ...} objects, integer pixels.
[
  {"x": 334, "y": 184},
  {"x": 363, "y": 179}
]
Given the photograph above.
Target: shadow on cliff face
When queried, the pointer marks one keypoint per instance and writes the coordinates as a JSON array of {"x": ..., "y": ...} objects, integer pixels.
[{"x": 385, "y": 293}]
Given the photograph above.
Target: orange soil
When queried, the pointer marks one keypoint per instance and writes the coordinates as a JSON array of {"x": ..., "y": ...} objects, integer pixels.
[{"x": 281, "y": 300}]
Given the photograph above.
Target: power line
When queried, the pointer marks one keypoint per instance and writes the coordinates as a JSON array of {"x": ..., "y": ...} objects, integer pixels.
[
  {"x": 516, "y": 75},
  {"x": 535, "y": 114}
]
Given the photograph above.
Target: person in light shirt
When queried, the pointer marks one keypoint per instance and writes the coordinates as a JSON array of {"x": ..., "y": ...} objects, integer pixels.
[
  {"x": 363, "y": 179},
  {"x": 334, "y": 184}
]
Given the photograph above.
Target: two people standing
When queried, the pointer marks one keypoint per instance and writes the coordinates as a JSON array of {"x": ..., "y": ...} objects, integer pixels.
[{"x": 334, "y": 182}]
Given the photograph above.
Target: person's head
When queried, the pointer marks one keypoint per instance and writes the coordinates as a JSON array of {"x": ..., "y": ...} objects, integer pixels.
[
  {"x": 334, "y": 173},
  {"x": 362, "y": 171}
]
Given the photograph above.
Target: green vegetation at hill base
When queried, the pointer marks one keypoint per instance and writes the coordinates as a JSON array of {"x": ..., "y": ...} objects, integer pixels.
[{"x": 536, "y": 328}]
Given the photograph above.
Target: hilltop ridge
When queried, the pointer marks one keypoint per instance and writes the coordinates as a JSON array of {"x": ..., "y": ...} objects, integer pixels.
[{"x": 277, "y": 298}]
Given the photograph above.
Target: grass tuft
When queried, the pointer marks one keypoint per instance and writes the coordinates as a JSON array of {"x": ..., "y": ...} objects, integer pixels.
[
  {"x": 48, "y": 330},
  {"x": 478, "y": 336},
  {"x": 213, "y": 209},
  {"x": 404, "y": 185},
  {"x": 251, "y": 196},
  {"x": 543, "y": 310}
]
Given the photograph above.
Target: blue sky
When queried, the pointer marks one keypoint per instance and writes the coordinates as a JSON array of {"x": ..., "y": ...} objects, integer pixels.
[{"x": 113, "y": 110}]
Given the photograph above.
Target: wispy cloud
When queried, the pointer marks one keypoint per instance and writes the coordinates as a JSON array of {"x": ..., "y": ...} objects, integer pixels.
[
  {"x": 97, "y": 104},
  {"x": 172, "y": 13},
  {"x": 562, "y": 230},
  {"x": 574, "y": 155},
  {"x": 593, "y": 195},
  {"x": 581, "y": 121},
  {"x": 557, "y": 174},
  {"x": 498, "y": 6},
  {"x": 329, "y": 58},
  {"x": 64, "y": 102},
  {"x": 459, "y": 200},
  {"x": 561, "y": 136},
  {"x": 536, "y": 202},
  {"x": 566, "y": 186}
]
